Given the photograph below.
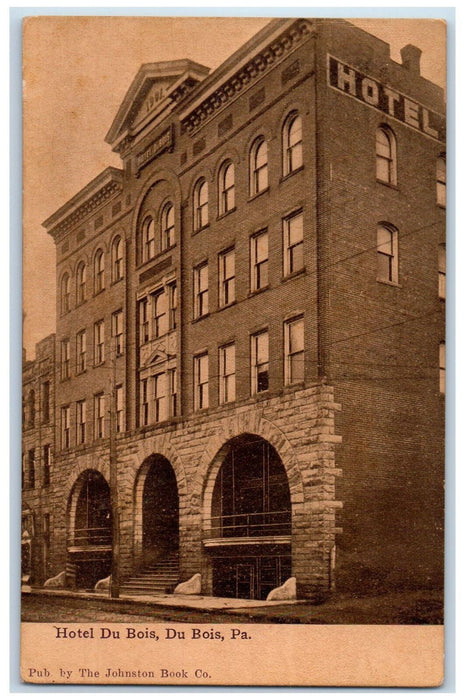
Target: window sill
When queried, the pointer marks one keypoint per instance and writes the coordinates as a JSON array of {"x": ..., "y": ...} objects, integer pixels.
[
  {"x": 389, "y": 283},
  {"x": 81, "y": 372},
  {"x": 65, "y": 379},
  {"x": 198, "y": 230},
  {"x": 225, "y": 213},
  {"x": 285, "y": 177},
  {"x": 441, "y": 206},
  {"x": 80, "y": 303},
  {"x": 293, "y": 275},
  {"x": 258, "y": 194},
  {"x": 390, "y": 185},
  {"x": 100, "y": 291},
  {"x": 254, "y": 292},
  {"x": 120, "y": 279},
  {"x": 200, "y": 318},
  {"x": 227, "y": 306},
  {"x": 99, "y": 364}
]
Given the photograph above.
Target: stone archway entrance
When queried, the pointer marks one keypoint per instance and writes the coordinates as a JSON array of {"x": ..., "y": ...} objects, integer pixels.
[
  {"x": 159, "y": 508},
  {"x": 249, "y": 536},
  {"x": 89, "y": 543}
]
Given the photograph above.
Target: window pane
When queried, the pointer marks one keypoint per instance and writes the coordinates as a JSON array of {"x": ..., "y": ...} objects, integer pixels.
[
  {"x": 296, "y": 336},
  {"x": 261, "y": 155},
  {"x": 383, "y": 144},
  {"x": 384, "y": 240},
  {"x": 295, "y": 131},
  {"x": 382, "y": 169},
  {"x": 295, "y": 229},
  {"x": 262, "y": 348},
  {"x": 261, "y": 247}
]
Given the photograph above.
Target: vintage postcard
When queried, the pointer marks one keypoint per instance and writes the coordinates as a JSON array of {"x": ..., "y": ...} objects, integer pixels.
[{"x": 234, "y": 351}]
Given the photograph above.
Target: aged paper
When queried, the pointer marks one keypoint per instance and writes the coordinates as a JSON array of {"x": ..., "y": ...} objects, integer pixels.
[{"x": 234, "y": 282}]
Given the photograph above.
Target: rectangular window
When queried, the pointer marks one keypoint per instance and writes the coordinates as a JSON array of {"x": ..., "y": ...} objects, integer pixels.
[
  {"x": 160, "y": 313},
  {"x": 47, "y": 529},
  {"x": 65, "y": 363},
  {"x": 143, "y": 321},
  {"x": 143, "y": 402},
  {"x": 294, "y": 351},
  {"x": 387, "y": 254},
  {"x": 293, "y": 228},
  {"x": 47, "y": 464},
  {"x": 119, "y": 408},
  {"x": 172, "y": 388},
  {"x": 173, "y": 306},
  {"x": 227, "y": 373},
  {"x": 442, "y": 271},
  {"x": 442, "y": 367},
  {"x": 117, "y": 331},
  {"x": 45, "y": 402},
  {"x": 65, "y": 427},
  {"x": 201, "y": 381},
  {"x": 80, "y": 422},
  {"x": 160, "y": 412},
  {"x": 99, "y": 416},
  {"x": 227, "y": 280},
  {"x": 31, "y": 469},
  {"x": 201, "y": 290},
  {"x": 99, "y": 342},
  {"x": 259, "y": 362},
  {"x": 259, "y": 261},
  {"x": 81, "y": 349}
]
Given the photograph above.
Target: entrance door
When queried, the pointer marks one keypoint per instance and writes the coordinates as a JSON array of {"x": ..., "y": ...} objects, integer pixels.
[
  {"x": 160, "y": 511},
  {"x": 245, "y": 581}
]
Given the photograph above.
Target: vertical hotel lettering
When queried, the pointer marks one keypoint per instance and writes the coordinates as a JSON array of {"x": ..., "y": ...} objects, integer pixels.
[{"x": 352, "y": 82}]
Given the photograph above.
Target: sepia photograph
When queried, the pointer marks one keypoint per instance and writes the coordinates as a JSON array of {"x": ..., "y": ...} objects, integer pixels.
[{"x": 233, "y": 389}]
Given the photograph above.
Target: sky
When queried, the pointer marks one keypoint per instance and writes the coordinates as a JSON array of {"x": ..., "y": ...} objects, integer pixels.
[{"x": 76, "y": 73}]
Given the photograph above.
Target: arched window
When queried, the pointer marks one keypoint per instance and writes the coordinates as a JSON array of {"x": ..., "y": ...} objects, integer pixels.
[
  {"x": 258, "y": 166},
  {"x": 200, "y": 204},
  {"x": 65, "y": 295},
  {"x": 81, "y": 283},
  {"x": 148, "y": 240},
  {"x": 292, "y": 144},
  {"x": 387, "y": 253},
  {"x": 441, "y": 181},
  {"x": 167, "y": 226},
  {"x": 99, "y": 272},
  {"x": 117, "y": 259},
  {"x": 226, "y": 195},
  {"x": 386, "y": 165}
]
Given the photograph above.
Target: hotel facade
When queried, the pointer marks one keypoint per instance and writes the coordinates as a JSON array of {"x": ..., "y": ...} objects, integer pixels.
[{"x": 250, "y": 339}]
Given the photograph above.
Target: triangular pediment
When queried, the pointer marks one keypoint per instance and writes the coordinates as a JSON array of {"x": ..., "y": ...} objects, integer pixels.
[{"x": 155, "y": 87}]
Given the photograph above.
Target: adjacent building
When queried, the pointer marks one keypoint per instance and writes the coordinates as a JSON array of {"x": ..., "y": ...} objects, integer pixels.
[{"x": 250, "y": 355}]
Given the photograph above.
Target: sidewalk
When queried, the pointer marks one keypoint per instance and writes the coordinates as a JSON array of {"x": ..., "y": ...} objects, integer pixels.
[{"x": 189, "y": 602}]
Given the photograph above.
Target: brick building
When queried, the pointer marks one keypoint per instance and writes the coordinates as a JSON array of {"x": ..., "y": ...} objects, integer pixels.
[
  {"x": 38, "y": 447},
  {"x": 250, "y": 326}
]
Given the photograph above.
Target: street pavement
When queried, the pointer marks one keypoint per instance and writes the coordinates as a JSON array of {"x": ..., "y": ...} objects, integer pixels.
[{"x": 407, "y": 607}]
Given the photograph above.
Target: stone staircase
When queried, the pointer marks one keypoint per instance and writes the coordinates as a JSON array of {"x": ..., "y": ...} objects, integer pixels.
[{"x": 157, "y": 579}]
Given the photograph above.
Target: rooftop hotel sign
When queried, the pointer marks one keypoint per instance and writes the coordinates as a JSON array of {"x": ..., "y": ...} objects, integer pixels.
[{"x": 361, "y": 87}]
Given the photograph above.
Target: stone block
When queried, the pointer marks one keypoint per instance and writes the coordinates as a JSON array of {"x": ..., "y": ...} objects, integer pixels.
[
  {"x": 288, "y": 591},
  {"x": 103, "y": 584},
  {"x": 191, "y": 587},
  {"x": 58, "y": 581}
]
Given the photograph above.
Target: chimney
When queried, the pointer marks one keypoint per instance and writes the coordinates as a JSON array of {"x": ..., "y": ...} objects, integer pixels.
[{"x": 411, "y": 58}]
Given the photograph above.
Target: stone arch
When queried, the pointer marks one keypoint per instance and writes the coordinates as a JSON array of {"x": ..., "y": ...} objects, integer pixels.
[
  {"x": 149, "y": 183},
  {"x": 74, "y": 494},
  {"x": 218, "y": 447},
  {"x": 143, "y": 462}
]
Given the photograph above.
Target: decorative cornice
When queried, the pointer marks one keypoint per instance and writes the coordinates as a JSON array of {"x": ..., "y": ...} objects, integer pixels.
[
  {"x": 62, "y": 221},
  {"x": 258, "y": 65}
]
